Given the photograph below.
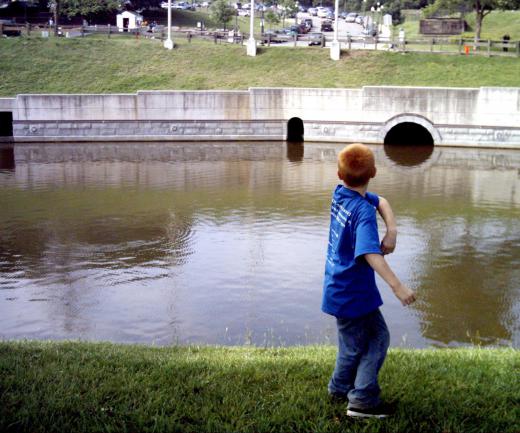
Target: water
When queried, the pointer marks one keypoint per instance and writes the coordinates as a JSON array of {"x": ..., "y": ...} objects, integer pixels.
[{"x": 224, "y": 243}]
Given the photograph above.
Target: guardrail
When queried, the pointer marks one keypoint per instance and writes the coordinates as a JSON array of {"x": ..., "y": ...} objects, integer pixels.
[{"x": 437, "y": 45}]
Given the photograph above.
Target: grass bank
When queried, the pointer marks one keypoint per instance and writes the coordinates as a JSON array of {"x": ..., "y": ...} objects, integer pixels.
[
  {"x": 98, "y": 64},
  {"x": 77, "y": 386},
  {"x": 494, "y": 26}
]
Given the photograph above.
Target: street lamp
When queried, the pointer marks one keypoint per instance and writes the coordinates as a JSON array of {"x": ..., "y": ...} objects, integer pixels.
[
  {"x": 251, "y": 43},
  {"x": 335, "y": 47},
  {"x": 168, "y": 43}
]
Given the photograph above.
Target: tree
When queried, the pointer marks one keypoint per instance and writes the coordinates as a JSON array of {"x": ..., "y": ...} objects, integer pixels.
[
  {"x": 221, "y": 12},
  {"x": 482, "y": 8},
  {"x": 272, "y": 18},
  {"x": 289, "y": 9},
  {"x": 83, "y": 8}
]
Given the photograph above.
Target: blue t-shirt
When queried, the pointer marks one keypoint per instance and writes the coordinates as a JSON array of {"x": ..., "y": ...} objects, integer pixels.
[{"x": 349, "y": 288}]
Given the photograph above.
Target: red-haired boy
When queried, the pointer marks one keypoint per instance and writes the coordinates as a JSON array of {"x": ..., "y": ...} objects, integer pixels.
[{"x": 349, "y": 290}]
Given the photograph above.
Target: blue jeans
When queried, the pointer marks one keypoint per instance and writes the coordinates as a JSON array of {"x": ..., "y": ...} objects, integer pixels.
[{"x": 363, "y": 343}]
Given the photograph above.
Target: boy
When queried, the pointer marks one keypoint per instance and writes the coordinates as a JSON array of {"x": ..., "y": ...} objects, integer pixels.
[{"x": 349, "y": 290}]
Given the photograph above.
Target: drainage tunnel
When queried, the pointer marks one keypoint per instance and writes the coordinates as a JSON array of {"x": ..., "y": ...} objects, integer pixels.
[
  {"x": 408, "y": 133},
  {"x": 295, "y": 129},
  {"x": 6, "y": 124}
]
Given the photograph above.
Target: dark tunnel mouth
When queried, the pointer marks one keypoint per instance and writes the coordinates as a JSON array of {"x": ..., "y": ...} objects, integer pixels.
[
  {"x": 409, "y": 133},
  {"x": 6, "y": 124},
  {"x": 295, "y": 130}
]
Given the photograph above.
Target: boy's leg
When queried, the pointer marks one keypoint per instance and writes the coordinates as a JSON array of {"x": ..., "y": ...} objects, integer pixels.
[
  {"x": 352, "y": 339},
  {"x": 365, "y": 393}
]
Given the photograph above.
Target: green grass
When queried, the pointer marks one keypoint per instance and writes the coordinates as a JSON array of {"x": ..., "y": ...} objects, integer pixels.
[
  {"x": 494, "y": 26},
  {"x": 73, "y": 386},
  {"x": 124, "y": 64}
]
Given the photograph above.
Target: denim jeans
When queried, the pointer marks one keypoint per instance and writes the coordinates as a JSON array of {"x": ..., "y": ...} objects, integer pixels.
[{"x": 363, "y": 343}]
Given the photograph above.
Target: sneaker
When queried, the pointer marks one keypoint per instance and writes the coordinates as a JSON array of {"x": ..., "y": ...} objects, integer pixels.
[{"x": 380, "y": 411}]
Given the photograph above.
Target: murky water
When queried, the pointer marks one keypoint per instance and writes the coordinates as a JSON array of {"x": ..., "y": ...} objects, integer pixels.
[{"x": 225, "y": 243}]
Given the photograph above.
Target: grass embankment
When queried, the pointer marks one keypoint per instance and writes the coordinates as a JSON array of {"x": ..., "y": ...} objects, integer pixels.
[
  {"x": 72, "y": 386},
  {"x": 494, "y": 26},
  {"x": 98, "y": 64}
]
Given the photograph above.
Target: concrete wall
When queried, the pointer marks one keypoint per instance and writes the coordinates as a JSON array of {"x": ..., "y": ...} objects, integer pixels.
[{"x": 486, "y": 117}]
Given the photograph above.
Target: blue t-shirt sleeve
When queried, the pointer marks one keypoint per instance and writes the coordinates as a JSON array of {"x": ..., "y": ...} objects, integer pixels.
[
  {"x": 372, "y": 198},
  {"x": 367, "y": 237}
]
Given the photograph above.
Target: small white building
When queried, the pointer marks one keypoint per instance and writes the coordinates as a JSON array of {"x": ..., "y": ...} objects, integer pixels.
[{"x": 128, "y": 21}]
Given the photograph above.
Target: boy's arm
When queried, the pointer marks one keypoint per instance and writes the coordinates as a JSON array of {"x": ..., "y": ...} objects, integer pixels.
[
  {"x": 378, "y": 263},
  {"x": 390, "y": 238}
]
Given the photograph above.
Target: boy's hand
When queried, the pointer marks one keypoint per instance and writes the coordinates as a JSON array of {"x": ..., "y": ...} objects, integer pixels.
[
  {"x": 388, "y": 243},
  {"x": 404, "y": 294}
]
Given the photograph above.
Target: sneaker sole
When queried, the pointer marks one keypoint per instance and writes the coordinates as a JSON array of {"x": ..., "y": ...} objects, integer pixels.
[{"x": 355, "y": 414}]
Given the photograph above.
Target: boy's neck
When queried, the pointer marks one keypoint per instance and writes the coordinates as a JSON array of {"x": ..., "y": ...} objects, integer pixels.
[{"x": 359, "y": 189}]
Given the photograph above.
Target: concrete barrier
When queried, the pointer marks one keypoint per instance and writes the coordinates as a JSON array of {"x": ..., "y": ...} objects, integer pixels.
[{"x": 481, "y": 117}]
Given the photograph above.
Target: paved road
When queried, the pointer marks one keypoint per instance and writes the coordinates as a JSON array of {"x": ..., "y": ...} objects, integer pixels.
[{"x": 344, "y": 29}]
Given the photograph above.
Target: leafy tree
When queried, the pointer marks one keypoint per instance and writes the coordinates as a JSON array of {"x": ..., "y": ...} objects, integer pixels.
[
  {"x": 482, "y": 8},
  {"x": 289, "y": 9},
  {"x": 221, "y": 12},
  {"x": 272, "y": 18},
  {"x": 84, "y": 8}
]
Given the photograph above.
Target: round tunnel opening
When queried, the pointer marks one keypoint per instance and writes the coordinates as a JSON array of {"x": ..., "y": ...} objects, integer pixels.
[
  {"x": 409, "y": 144},
  {"x": 295, "y": 130},
  {"x": 409, "y": 133}
]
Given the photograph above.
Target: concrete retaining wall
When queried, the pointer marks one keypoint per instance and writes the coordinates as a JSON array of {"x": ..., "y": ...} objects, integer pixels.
[{"x": 486, "y": 117}]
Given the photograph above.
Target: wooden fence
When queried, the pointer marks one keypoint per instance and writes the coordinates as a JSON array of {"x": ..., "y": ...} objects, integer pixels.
[{"x": 437, "y": 45}]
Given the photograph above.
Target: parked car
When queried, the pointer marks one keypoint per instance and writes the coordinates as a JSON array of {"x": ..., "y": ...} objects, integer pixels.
[
  {"x": 343, "y": 15},
  {"x": 244, "y": 13},
  {"x": 330, "y": 16},
  {"x": 308, "y": 23},
  {"x": 323, "y": 12},
  {"x": 312, "y": 12},
  {"x": 359, "y": 19},
  {"x": 326, "y": 26},
  {"x": 351, "y": 17},
  {"x": 274, "y": 36},
  {"x": 314, "y": 38}
]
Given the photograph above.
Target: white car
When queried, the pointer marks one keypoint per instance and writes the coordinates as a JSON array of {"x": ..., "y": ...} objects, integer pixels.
[
  {"x": 351, "y": 17},
  {"x": 312, "y": 11},
  {"x": 323, "y": 12}
]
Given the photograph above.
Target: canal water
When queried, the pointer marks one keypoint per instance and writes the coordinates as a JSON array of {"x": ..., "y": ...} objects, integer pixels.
[{"x": 224, "y": 243}]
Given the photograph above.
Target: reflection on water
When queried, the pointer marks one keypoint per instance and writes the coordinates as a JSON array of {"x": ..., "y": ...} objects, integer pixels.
[
  {"x": 224, "y": 243},
  {"x": 408, "y": 156}
]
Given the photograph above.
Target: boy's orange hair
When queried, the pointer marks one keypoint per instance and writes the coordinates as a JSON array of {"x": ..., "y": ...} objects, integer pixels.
[{"x": 356, "y": 165}]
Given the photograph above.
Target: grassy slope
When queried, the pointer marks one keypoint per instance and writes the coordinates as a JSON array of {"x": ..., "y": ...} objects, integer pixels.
[
  {"x": 95, "y": 65},
  {"x": 103, "y": 387},
  {"x": 494, "y": 26}
]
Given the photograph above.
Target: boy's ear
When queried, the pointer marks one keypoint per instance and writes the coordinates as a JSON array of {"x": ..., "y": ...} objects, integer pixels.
[{"x": 374, "y": 172}]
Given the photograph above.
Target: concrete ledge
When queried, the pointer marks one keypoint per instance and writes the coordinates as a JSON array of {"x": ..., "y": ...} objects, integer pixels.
[{"x": 480, "y": 117}]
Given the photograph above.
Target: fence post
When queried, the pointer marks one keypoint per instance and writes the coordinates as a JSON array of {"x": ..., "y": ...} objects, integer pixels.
[
  {"x": 269, "y": 39},
  {"x": 489, "y": 48},
  {"x": 322, "y": 40},
  {"x": 188, "y": 35},
  {"x": 82, "y": 31},
  {"x": 28, "y": 28},
  {"x": 295, "y": 37},
  {"x": 431, "y": 44},
  {"x": 109, "y": 31},
  {"x": 1, "y": 29},
  {"x": 349, "y": 40},
  {"x": 375, "y": 43},
  {"x": 517, "y": 48},
  {"x": 460, "y": 45}
]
